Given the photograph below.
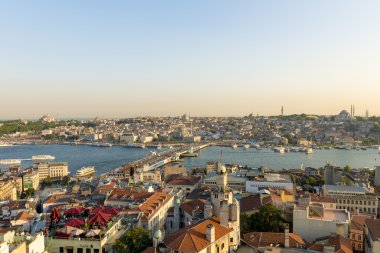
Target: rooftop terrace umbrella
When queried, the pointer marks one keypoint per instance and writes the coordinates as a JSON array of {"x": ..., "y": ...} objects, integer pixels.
[
  {"x": 99, "y": 218},
  {"x": 93, "y": 232},
  {"x": 55, "y": 215},
  {"x": 77, "y": 232},
  {"x": 75, "y": 223},
  {"x": 112, "y": 211},
  {"x": 78, "y": 210},
  {"x": 97, "y": 209},
  {"x": 66, "y": 230}
]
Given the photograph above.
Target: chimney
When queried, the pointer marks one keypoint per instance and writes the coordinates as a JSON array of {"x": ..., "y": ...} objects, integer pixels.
[
  {"x": 286, "y": 233},
  {"x": 210, "y": 233}
]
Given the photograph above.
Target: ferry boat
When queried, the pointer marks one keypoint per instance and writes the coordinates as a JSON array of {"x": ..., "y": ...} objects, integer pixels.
[
  {"x": 85, "y": 172},
  {"x": 280, "y": 150},
  {"x": 159, "y": 146},
  {"x": 43, "y": 157},
  {"x": 309, "y": 151},
  {"x": 246, "y": 146},
  {"x": 234, "y": 146},
  {"x": 10, "y": 162}
]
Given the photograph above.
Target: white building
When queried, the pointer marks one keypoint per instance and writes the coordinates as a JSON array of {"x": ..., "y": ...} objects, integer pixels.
[
  {"x": 316, "y": 221},
  {"x": 270, "y": 180}
]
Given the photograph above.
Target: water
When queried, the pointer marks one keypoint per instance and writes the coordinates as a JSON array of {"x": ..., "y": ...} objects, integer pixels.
[
  {"x": 103, "y": 158},
  {"x": 292, "y": 160}
]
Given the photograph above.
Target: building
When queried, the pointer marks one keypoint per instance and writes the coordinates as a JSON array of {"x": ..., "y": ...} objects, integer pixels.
[
  {"x": 331, "y": 244},
  {"x": 55, "y": 170},
  {"x": 220, "y": 229},
  {"x": 372, "y": 236},
  {"x": 357, "y": 232},
  {"x": 185, "y": 183},
  {"x": 153, "y": 206},
  {"x": 352, "y": 198},
  {"x": 31, "y": 180},
  {"x": 316, "y": 221},
  {"x": 263, "y": 240},
  {"x": 7, "y": 190},
  {"x": 377, "y": 176},
  {"x": 332, "y": 174},
  {"x": 153, "y": 176},
  {"x": 235, "y": 182},
  {"x": 270, "y": 180}
]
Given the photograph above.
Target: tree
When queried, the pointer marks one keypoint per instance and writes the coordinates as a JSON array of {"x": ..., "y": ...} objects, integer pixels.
[
  {"x": 268, "y": 219},
  {"x": 133, "y": 241},
  {"x": 347, "y": 169},
  {"x": 66, "y": 180},
  {"x": 28, "y": 193}
]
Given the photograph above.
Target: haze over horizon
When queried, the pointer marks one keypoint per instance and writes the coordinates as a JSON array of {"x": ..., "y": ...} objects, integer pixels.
[{"x": 216, "y": 58}]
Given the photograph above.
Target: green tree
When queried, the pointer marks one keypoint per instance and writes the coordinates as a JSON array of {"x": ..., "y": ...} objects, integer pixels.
[
  {"x": 347, "y": 169},
  {"x": 28, "y": 193},
  {"x": 268, "y": 219},
  {"x": 66, "y": 180},
  {"x": 133, "y": 241}
]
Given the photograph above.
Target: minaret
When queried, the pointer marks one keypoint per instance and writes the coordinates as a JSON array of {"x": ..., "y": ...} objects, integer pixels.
[
  {"x": 282, "y": 111},
  {"x": 367, "y": 114}
]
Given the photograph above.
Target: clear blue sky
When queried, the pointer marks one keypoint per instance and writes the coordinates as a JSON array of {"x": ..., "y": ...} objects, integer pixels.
[{"x": 128, "y": 58}]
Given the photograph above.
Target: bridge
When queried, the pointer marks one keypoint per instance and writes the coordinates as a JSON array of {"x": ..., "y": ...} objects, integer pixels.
[{"x": 157, "y": 160}]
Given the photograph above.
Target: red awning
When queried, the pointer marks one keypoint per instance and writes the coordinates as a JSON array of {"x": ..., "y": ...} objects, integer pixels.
[
  {"x": 99, "y": 218},
  {"x": 75, "y": 223},
  {"x": 55, "y": 215},
  {"x": 78, "y": 210}
]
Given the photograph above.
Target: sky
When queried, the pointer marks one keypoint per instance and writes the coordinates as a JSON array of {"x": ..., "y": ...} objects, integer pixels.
[{"x": 75, "y": 59}]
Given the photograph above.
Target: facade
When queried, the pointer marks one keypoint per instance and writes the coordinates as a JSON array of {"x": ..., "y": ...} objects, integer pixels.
[
  {"x": 234, "y": 182},
  {"x": 31, "y": 180},
  {"x": 316, "y": 221},
  {"x": 7, "y": 190},
  {"x": 352, "y": 198},
  {"x": 372, "y": 236},
  {"x": 103, "y": 244},
  {"x": 357, "y": 232},
  {"x": 271, "y": 180},
  {"x": 53, "y": 170},
  {"x": 184, "y": 183}
]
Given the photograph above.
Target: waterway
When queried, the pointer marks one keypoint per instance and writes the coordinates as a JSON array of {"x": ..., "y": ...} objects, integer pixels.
[{"x": 104, "y": 158}]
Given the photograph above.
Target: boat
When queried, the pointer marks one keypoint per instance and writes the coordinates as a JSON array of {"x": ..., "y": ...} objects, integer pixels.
[
  {"x": 246, "y": 146},
  {"x": 309, "y": 151},
  {"x": 42, "y": 157},
  {"x": 4, "y": 144},
  {"x": 10, "y": 162},
  {"x": 280, "y": 150},
  {"x": 159, "y": 146},
  {"x": 234, "y": 146},
  {"x": 108, "y": 145},
  {"x": 85, "y": 172}
]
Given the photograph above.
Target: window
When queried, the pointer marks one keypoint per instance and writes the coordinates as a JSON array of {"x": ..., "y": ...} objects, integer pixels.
[
  {"x": 61, "y": 250},
  {"x": 359, "y": 237},
  {"x": 359, "y": 246},
  {"x": 222, "y": 246},
  {"x": 79, "y": 250},
  {"x": 231, "y": 239},
  {"x": 96, "y": 250},
  {"x": 88, "y": 250}
]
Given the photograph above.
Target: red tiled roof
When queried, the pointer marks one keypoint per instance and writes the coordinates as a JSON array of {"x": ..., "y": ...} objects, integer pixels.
[
  {"x": 193, "y": 238},
  {"x": 264, "y": 239},
  {"x": 185, "y": 180}
]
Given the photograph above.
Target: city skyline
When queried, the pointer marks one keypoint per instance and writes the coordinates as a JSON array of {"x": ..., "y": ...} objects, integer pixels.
[{"x": 127, "y": 59}]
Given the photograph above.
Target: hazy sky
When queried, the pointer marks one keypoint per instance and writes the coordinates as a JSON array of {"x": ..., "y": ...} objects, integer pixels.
[{"x": 128, "y": 58}]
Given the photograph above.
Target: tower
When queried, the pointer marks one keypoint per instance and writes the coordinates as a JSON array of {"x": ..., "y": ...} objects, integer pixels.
[
  {"x": 282, "y": 111},
  {"x": 177, "y": 203},
  {"x": 224, "y": 206},
  {"x": 367, "y": 114},
  {"x": 377, "y": 176}
]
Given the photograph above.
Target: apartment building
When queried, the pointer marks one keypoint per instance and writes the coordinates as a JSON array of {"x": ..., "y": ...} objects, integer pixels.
[
  {"x": 7, "y": 190},
  {"x": 55, "y": 170},
  {"x": 31, "y": 180},
  {"x": 352, "y": 198}
]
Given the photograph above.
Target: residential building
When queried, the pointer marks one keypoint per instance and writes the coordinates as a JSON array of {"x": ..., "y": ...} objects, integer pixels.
[
  {"x": 235, "y": 182},
  {"x": 7, "y": 190},
  {"x": 31, "y": 179},
  {"x": 331, "y": 244},
  {"x": 270, "y": 180},
  {"x": 372, "y": 236},
  {"x": 357, "y": 232},
  {"x": 315, "y": 221},
  {"x": 352, "y": 198},
  {"x": 185, "y": 183},
  {"x": 55, "y": 170}
]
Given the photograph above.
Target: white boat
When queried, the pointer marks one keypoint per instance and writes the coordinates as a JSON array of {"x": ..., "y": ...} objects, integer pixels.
[
  {"x": 280, "y": 150},
  {"x": 85, "y": 172},
  {"x": 159, "y": 146},
  {"x": 234, "y": 146},
  {"x": 4, "y": 144},
  {"x": 246, "y": 146},
  {"x": 309, "y": 151},
  {"x": 43, "y": 157},
  {"x": 10, "y": 162}
]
